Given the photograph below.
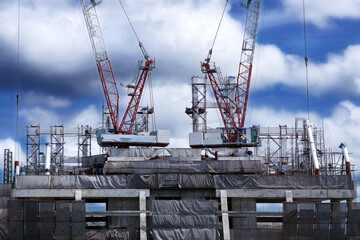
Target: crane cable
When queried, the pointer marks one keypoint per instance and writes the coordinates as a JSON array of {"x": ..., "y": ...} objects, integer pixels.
[
  {"x": 306, "y": 63},
  {"x": 217, "y": 31},
  {"x": 132, "y": 27},
  {"x": 17, "y": 136}
]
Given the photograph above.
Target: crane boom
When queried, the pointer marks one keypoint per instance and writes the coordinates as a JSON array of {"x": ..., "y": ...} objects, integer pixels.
[
  {"x": 222, "y": 100},
  {"x": 246, "y": 60},
  {"x": 128, "y": 121},
  {"x": 102, "y": 59}
]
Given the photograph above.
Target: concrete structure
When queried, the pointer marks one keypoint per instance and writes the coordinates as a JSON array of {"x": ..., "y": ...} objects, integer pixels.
[{"x": 184, "y": 193}]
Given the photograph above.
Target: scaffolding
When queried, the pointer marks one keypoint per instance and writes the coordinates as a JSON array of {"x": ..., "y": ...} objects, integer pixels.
[
  {"x": 33, "y": 148},
  {"x": 198, "y": 110},
  {"x": 287, "y": 151},
  {"x": 84, "y": 142},
  {"x": 57, "y": 148},
  {"x": 8, "y": 169}
]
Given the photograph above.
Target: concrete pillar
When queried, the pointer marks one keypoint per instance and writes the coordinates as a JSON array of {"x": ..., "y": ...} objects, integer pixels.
[
  {"x": 225, "y": 215},
  {"x": 244, "y": 227},
  {"x": 78, "y": 196},
  {"x": 289, "y": 196},
  {"x": 142, "y": 205}
]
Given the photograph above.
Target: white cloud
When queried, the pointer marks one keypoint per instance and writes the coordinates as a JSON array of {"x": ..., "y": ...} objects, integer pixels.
[
  {"x": 39, "y": 115},
  {"x": 50, "y": 34},
  {"x": 321, "y": 13},
  {"x": 339, "y": 74},
  {"x": 177, "y": 33},
  {"x": 32, "y": 98}
]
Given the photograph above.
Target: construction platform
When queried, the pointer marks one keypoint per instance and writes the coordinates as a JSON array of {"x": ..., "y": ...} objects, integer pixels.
[{"x": 182, "y": 194}]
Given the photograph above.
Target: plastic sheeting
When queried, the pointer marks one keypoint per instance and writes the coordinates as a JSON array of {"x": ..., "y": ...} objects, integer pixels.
[
  {"x": 176, "y": 153},
  {"x": 173, "y": 221},
  {"x": 71, "y": 182},
  {"x": 170, "y": 166},
  {"x": 283, "y": 182},
  {"x": 183, "y": 181},
  {"x": 185, "y": 219},
  {"x": 184, "y": 207},
  {"x": 155, "y": 152},
  {"x": 165, "y": 234}
]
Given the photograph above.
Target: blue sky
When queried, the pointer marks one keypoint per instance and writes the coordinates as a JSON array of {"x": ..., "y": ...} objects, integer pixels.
[{"x": 59, "y": 83}]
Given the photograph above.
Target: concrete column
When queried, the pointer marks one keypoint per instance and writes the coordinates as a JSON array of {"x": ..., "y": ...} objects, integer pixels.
[
  {"x": 142, "y": 205},
  {"x": 289, "y": 196},
  {"x": 78, "y": 196},
  {"x": 244, "y": 227},
  {"x": 225, "y": 215}
]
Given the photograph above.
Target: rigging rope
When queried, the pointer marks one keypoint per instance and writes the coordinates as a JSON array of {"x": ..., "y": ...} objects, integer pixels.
[
  {"x": 217, "y": 31},
  {"x": 17, "y": 137},
  {"x": 132, "y": 27},
  {"x": 152, "y": 102},
  {"x": 306, "y": 63}
]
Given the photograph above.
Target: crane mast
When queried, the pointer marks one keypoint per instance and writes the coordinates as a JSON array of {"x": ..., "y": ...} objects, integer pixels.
[
  {"x": 246, "y": 60},
  {"x": 102, "y": 59}
]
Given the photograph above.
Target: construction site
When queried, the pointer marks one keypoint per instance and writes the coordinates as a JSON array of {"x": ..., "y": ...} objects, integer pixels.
[{"x": 138, "y": 188}]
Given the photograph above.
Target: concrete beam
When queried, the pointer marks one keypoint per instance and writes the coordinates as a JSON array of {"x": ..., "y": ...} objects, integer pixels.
[
  {"x": 298, "y": 194},
  {"x": 73, "y": 193}
]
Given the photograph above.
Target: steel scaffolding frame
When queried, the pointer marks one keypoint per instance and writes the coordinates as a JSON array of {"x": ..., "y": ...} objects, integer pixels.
[
  {"x": 8, "y": 169},
  {"x": 57, "y": 148},
  {"x": 33, "y": 148},
  {"x": 84, "y": 142},
  {"x": 286, "y": 149},
  {"x": 198, "y": 110}
]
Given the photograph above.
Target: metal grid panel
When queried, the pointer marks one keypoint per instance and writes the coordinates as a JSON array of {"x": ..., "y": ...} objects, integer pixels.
[
  {"x": 46, "y": 211},
  {"x": 62, "y": 211},
  {"x": 78, "y": 230},
  {"x": 62, "y": 230},
  {"x": 31, "y": 211},
  {"x": 31, "y": 231},
  {"x": 16, "y": 229},
  {"x": 78, "y": 212},
  {"x": 15, "y": 209},
  {"x": 47, "y": 230}
]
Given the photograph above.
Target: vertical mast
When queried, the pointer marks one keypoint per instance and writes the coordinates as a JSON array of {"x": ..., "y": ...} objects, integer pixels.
[
  {"x": 102, "y": 59},
  {"x": 246, "y": 60}
]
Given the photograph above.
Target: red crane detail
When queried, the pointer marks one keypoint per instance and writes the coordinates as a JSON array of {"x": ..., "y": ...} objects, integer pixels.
[
  {"x": 106, "y": 73},
  {"x": 224, "y": 108},
  {"x": 110, "y": 91},
  {"x": 247, "y": 56},
  {"x": 232, "y": 100},
  {"x": 128, "y": 121},
  {"x": 102, "y": 60}
]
